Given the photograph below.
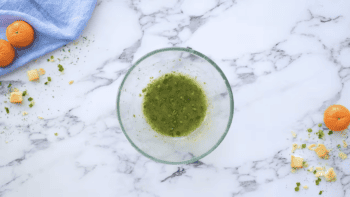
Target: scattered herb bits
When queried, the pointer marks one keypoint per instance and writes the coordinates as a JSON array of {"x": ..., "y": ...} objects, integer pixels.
[
  {"x": 303, "y": 146},
  {"x": 0, "y": 83},
  {"x": 320, "y": 193},
  {"x": 309, "y": 130},
  {"x": 9, "y": 85},
  {"x": 49, "y": 78},
  {"x": 297, "y": 187},
  {"x": 318, "y": 181},
  {"x": 320, "y": 134},
  {"x": 320, "y": 125},
  {"x": 56, "y": 134},
  {"x": 46, "y": 83},
  {"x": 24, "y": 93},
  {"x": 60, "y": 68},
  {"x": 30, "y": 99},
  {"x": 7, "y": 110},
  {"x": 339, "y": 146},
  {"x": 315, "y": 171},
  {"x": 330, "y": 132},
  {"x": 31, "y": 105}
]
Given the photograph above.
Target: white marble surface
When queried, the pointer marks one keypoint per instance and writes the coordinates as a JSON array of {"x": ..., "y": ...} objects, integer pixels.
[{"x": 286, "y": 61}]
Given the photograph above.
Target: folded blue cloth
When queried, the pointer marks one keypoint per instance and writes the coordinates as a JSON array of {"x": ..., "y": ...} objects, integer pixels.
[{"x": 55, "y": 23}]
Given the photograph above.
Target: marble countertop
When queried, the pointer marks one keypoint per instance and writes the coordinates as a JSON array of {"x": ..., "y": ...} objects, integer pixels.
[{"x": 286, "y": 61}]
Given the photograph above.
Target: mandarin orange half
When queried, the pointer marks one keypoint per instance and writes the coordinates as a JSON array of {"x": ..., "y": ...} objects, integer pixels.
[
  {"x": 7, "y": 53},
  {"x": 337, "y": 117},
  {"x": 20, "y": 34}
]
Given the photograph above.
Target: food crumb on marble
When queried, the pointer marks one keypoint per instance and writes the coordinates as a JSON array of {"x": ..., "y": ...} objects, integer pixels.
[
  {"x": 40, "y": 117},
  {"x": 33, "y": 75},
  {"x": 343, "y": 155},
  {"x": 296, "y": 162},
  {"x": 71, "y": 82},
  {"x": 16, "y": 97},
  {"x": 330, "y": 175},
  {"x": 322, "y": 151},
  {"x": 42, "y": 71},
  {"x": 345, "y": 144},
  {"x": 294, "y": 134},
  {"x": 24, "y": 113},
  {"x": 294, "y": 147},
  {"x": 305, "y": 187}
]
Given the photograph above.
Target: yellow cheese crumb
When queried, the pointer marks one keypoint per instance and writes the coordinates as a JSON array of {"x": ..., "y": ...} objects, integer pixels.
[
  {"x": 33, "y": 75},
  {"x": 296, "y": 162},
  {"x": 311, "y": 146},
  {"x": 40, "y": 117},
  {"x": 306, "y": 187},
  {"x": 294, "y": 134},
  {"x": 319, "y": 173},
  {"x": 71, "y": 82},
  {"x": 294, "y": 147},
  {"x": 322, "y": 151},
  {"x": 342, "y": 155},
  {"x": 24, "y": 113},
  {"x": 330, "y": 175},
  {"x": 319, "y": 168},
  {"x": 292, "y": 170},
  {"x": 15, "y": 90},
  {"x": 42, "y": 71},
  {"x": 345, "y": 144},
  {"x": 310, "y": 169},
  {"x": 16, "y": 97}
]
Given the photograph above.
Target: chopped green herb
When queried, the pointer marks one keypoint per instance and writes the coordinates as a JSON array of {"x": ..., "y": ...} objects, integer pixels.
[
  {"x": 320, "y": 193},
  {"x": 9, "y": 85},
  {"x": 319, "y": 179},
  {"x": 60, "y": 67},
  {"x": 303, "y": 146},
  {"x": 296, "y": 189},
  {"x": 63, "y": 50},
  {"x": 317, "y": 182},
  {"x": 48, "y": 60},
  {"x": 298, "y": 184},
  {"x": 46, "y": 83},
  {"x": 0, "y": 83},
  {"x": 7, "y": 110},
  {"x": 49, "y": 78},
  {"x": 31, "y": 105},
  {"x": 330, "y": 132},
  {"x": 339, "y": 146},
  {"x": 320, "y": 134},
  {"x": 52, "y": 57},
  {"x": 56, "y": 134},
  {"x": 314, "y": 171},
  {"x": 309, "y": 130},
  {"x": 320, "y": 125},
  {"x": 69, "y": 50},
  {"x": 24, "y": 93},
  {"x": 30, "y": 99}
]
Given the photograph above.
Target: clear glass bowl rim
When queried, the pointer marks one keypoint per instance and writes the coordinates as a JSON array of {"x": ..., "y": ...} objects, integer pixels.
[{"x": 189, "y": 50}]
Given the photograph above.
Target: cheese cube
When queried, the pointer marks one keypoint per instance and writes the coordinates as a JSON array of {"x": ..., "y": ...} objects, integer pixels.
[
  {"x": 16, "y": 97},
  {"x": 297, "y": 162},
  {"x": 33, "y": 75}
]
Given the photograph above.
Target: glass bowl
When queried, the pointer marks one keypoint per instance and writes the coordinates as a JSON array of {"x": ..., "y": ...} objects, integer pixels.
[{"x": 175, "y": 150}]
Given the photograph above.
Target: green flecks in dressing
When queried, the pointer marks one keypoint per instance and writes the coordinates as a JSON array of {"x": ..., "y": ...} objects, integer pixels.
[{"x": 174, "y": 105}]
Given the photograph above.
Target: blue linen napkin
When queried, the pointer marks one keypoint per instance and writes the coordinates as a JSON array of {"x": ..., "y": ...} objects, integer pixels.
[{"x": 55, "y": 23}]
